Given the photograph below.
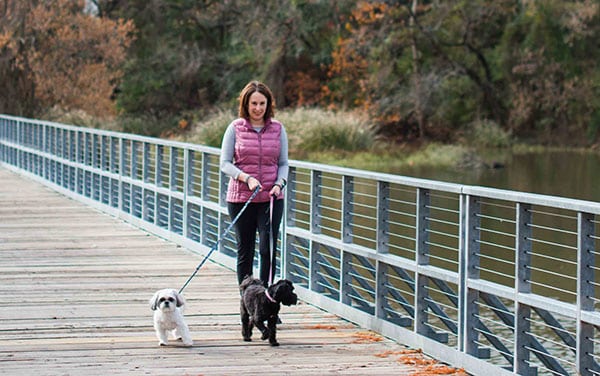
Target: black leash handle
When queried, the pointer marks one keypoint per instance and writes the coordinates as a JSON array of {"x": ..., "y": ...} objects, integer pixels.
[{"x": 220, "y": 238}]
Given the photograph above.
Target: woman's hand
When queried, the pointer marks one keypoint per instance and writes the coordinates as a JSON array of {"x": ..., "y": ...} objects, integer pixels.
[
  {"x": 253, "y": 183},
  {"x": 275, "y": 191}
]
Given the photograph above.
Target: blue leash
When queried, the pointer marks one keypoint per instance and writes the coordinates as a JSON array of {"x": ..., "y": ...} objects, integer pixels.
[{"x": 221, "y": 238}]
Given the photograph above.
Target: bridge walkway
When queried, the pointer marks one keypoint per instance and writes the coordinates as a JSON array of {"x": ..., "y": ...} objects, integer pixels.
[{"x": 75, "y": 286}]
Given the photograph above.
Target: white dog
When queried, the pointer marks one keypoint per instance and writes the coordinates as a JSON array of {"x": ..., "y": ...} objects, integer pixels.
[{"x": 168, "y": 307}]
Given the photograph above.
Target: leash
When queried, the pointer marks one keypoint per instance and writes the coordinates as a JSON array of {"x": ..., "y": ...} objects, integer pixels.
[
  {"x": 272, "y": 238},
  {"x": 271, "y": 242},
  {"x": 221, "y": 238}
]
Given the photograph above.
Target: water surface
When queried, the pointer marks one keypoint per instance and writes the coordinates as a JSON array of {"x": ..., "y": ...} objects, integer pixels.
[{"x": 570, "y": 174}]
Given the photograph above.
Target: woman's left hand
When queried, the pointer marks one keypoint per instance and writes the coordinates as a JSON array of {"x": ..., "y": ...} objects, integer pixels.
[{"x": 275, "y": 191}]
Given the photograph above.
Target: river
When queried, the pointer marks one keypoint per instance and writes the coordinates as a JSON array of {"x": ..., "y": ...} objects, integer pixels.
[{"x": 569, "y": 174}]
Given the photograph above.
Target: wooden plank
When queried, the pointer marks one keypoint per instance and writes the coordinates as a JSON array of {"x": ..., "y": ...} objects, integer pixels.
[{"x": 76, "y": 284}]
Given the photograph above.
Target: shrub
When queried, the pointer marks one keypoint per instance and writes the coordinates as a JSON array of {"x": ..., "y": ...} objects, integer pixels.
[
  {"x": 487, "y": 133},
  {"x": 320, "y": 130},
  {"x": 308, "y": 130}
]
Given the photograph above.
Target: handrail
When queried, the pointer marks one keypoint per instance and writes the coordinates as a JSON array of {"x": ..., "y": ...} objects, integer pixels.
[{"x": 494, "y": 281}]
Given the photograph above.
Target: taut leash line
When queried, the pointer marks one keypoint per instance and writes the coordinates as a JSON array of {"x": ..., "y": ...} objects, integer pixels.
[
  {"x": 220, "y": 238},
  {"x": 271, "y": 241}
]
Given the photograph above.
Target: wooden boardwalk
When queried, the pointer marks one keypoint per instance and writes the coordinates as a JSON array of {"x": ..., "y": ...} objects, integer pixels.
[{"x": 75, "y": 285}]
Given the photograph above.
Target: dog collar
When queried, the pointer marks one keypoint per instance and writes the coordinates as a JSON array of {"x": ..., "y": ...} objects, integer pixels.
[{"x": 269, "y": 297}]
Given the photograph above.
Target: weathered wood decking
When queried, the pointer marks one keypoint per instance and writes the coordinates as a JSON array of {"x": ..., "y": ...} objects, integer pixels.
[{"x": 75, "y": 285}]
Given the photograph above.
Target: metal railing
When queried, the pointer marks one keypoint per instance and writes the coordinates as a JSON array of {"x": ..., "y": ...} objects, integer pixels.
[{"x": 493, "y": 281}]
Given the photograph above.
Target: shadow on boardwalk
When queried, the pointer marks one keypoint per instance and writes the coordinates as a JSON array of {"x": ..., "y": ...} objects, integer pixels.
[{"x": 75, "y": 285}]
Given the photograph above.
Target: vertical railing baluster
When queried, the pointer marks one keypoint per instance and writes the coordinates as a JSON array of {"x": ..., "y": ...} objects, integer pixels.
[
  {"x": 173, "y": 157},
  {"x": 422, "y": 258},
  {"x": 382, "y": 246},
  {"x": 381, "y": 289},
  {"x": 347, "y": 237},
  {"x": 146, "y": 178},
  {"x": 522, "y": 285},
  {"x": 96, "y": 184},
  {"x": 383, "y": 214},
  {"x": 470, "y": 271},
  {"x": 114, "y": 168},
  {"x": 43, "y": 146},
  {"x": 122, "y": 174},
  {"x": 188, "y": 182},
  {"x": 347, "y": 201},
  {"x": 288, "y": 220},
  {"x": 315, "y": 202},
  {"x": 158, "y": 178},
  {"x": 315, "y": 223},
  {"x": 585, "y": 292},
  {"x": 134, "y": 169},
  {"x": 345, "y": 278},
  {"x": 205, "y": 195},
  {"x": 104, "y": 190},
  {"x": 290, "y": 195}
]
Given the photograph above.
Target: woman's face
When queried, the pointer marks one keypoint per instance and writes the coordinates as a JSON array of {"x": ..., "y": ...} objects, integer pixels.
[{"x": 257, "y": 105}]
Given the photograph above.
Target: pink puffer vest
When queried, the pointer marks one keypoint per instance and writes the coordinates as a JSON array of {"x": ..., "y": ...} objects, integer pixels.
[{"x": 257, "y": 154}]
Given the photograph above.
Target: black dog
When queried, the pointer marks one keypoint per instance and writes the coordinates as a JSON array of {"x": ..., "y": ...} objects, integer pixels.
[{"x": 259, "y": 304}]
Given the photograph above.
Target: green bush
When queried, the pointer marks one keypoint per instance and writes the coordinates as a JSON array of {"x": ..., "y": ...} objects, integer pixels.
[
  {"x": 311, "y": 130},
  {"x": 210, "y": 130},
  {"x": 487, "y": 133}
]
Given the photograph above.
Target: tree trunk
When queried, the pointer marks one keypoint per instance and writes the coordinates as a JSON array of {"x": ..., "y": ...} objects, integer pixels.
[{"x": 416, "y": 73}]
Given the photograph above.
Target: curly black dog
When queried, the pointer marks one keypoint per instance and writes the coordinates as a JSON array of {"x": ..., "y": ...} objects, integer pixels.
[{"x": 259, "y": 304}]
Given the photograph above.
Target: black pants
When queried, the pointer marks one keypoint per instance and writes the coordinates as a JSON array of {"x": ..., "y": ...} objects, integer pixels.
[{"x": 256, "y": 217}]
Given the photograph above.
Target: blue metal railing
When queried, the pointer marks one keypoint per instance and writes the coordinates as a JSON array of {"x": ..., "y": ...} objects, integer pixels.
[{"x": 494, "y": 281}]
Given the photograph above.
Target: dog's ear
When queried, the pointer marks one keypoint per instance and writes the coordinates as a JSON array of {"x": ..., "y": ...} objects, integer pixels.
[
  {"x": 154, "y": 301},
  {"x": 179, "y": 298},
  {"x": 278, "y": 289}
]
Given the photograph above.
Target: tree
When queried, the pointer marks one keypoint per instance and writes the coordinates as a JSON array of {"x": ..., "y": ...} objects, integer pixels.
[
  {"x": 445, "y": 47},
  {"x": 549, "y": 57},
  {"x": 192, "y": 55},
  {"x": 70, "y": 59}
]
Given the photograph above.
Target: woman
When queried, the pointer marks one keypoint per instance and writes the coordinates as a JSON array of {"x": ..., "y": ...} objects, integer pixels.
[{"x": 254, "y": 154}]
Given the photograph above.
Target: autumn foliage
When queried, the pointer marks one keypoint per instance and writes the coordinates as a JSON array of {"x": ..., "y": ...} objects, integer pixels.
[
  {"x": 70, "y": 59},
  {"x": 421, "y": 69}
]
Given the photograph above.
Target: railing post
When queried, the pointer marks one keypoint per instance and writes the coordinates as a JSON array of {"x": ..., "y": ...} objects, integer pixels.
[
  {"x": 115, "y": 194},
  {"x": 382, "y": 246},
  {"x": 146, "y": 178},
  {"x": 188, "y": 181},
  {"x": 76, "y": 159},
  {"x": 158, "y": 178},
  {"x": 383, "y": 214},
  {"x": 522, "y": 285},
  {"x": 46, "y": 168},
  {"x": 315, "y": 226},
  {"x": 204, "y": 194},
  {"x": 222, "y": 217},
  {"x": 422, "y": 258},
  {"x": 585, "y": 292},
  {"x": 173, "y": 158},
  {"x": 469, "y": 271},
  {"x": 347, "y": 208},
  {"x": 347, "y": 236},
  {"x": 315, "y": 202},
  {"x": 122, "y": 174},
  {"x": 288, "y": 220}
]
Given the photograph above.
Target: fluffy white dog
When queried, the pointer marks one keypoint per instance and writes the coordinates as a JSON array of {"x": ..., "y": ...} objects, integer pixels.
[{"x": 168, "y": 307}]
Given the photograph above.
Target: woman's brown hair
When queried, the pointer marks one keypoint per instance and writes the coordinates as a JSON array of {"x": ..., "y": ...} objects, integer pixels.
[{"x": 252, "y": 87}]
